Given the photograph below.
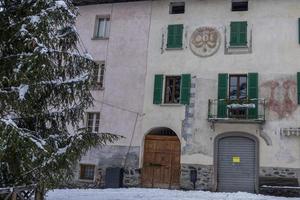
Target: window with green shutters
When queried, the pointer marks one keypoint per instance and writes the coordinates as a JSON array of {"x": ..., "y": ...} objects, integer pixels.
[
  {"x": 175, "y": 35},
  {"x": 298, "y": 86},
  {"x": 238, "y": 33},
  {"x": 176, "y": 89},
  {"x": 228, "y": 96}
]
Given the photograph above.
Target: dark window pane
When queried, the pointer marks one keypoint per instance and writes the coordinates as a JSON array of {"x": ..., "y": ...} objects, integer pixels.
[
  {"x": 172, "y": 89},
  {"x": 177, "y": 7},
  {"x": 239, "y": 6}
]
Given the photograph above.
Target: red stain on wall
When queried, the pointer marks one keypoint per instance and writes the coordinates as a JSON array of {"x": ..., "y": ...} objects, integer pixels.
[{"x": 282, "y": 97}]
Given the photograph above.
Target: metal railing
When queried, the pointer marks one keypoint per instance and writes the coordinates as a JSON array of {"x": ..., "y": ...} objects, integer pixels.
[
  {"x": 246, "y": 110},
  {"x": 18, "y": 193}
]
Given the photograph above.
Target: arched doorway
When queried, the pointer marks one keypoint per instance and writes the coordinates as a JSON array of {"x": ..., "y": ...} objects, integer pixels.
[
  {"x": 236, "y": 157},
  {"x": 161, "y": 164}
]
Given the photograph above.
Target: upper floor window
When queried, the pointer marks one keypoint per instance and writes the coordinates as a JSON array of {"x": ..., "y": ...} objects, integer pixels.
[
  {"x": 177, "y": 7},
  {"x": 175, "y": 36},
  {"x": 172, "y": 89},
  {"x": 237, "y": 87},
  {"x": 238, "y": 33},
  {"x": 99, "y": 76},
  {"x": 102, "y": 27},
  {"x": 239, "y": 5},
  {"x": 87, "y": 172},
  {"x": 93, "y": 122}
]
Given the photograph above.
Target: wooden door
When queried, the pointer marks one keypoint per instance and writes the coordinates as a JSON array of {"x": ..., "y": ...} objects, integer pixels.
[{"x": 161, "y": 166}]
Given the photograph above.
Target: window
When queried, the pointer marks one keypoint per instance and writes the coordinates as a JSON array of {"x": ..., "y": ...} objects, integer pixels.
[
  {"x": 238, "y": 33},
  {"x": 93, "y": 121},
  {"x": 237, "y": 87},
  {"x": 87, "y": 172},
  {"x": 177, "y": 7},
  {"x": 176, "y": 89},
  {"x": 102, "y": 27},
  {"x": 99, "y": 76},
  {"x": 240, "y": 99},
  {"x": 175, "y": 33},
  {"x": 239, "y": 5},
  {"x": 237, "y": 93},
  {"x": 172, "y": 89}
]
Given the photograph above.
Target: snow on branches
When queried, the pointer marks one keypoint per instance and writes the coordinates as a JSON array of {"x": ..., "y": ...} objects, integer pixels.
[{"x": 45, "y": 81}]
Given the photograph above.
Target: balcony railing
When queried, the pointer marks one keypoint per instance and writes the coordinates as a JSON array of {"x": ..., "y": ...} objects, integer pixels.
[{"x": 236, "y": 111}]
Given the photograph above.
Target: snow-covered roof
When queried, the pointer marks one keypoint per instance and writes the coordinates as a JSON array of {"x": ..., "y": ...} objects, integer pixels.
[{"x": 90, "y": 2}]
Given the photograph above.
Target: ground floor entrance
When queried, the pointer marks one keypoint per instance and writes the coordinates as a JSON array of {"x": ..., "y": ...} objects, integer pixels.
[
  {"x": 161, "y": 163},
  {"x": 236, "y": 163}
]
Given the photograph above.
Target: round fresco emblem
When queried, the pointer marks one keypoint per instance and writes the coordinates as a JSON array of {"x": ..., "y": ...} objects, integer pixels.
[{"x": 205, "y": 41}]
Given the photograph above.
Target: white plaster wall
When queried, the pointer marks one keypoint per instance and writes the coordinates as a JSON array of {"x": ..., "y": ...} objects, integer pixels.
[
  {"x": 125, "y": 54},
  {"x": 275, "y": 56}
]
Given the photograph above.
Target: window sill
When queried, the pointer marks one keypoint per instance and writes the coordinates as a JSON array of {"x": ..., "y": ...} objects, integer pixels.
[
  {"x": 170, "y": 49},
  {"x": 86, "y": 180},
  {"x": 100, "y": 38},
  {"x": 238, "y": 50},
  {"x": 171, "y": 104}
]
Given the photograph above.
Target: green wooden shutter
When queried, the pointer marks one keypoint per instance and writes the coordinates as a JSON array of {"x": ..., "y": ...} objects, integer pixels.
[
  {"x": 238, "y": 33},
  {"x": 253, "y": 94},
  {"x": 222, "y": 95},
  {"x": 158, "y": 88},
  {"x": 185, "y": 89},
  {"x": 298, "y": 86},
  {"x": 175, "y": 33},
  {"x": 299, "y": 30}
]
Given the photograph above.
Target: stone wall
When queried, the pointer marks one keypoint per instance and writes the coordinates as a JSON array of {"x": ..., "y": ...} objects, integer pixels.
[
  {"x": 204, "y": 177},
  {"x": 279, "y": 172}
]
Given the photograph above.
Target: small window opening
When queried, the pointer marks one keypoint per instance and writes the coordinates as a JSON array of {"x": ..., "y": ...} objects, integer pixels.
[
  {"x": 177, "y": 7},
  {"x": 87, "y": 172},
  {"x": 239, "y": 6}
]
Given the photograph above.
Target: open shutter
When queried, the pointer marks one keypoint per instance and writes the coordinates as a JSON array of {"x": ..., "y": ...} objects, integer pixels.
[
  {"x": 175, "y": 33},
  {"x": 298, "y": 86},
  {"x": 222, "y": 95},
  {"x": 185, "y": 89},
  {"x": 253, "y": 94},
  {"x": 158, "y": 88}
]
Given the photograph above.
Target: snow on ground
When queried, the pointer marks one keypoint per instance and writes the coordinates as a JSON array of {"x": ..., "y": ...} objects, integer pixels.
[{"x": 152, "y": 194}]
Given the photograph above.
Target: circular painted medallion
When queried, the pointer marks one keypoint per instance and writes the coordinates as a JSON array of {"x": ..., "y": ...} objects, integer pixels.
[{"x": 205, "y": 41}]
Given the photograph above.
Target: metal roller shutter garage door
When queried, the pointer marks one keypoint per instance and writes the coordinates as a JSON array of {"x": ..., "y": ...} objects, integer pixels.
[{"x": 236, "y": 164}]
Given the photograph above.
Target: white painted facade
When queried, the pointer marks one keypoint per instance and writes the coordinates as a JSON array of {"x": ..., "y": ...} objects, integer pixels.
[
  {"x": 135, "y": 52},
  {"x": 275, "y": 57}
]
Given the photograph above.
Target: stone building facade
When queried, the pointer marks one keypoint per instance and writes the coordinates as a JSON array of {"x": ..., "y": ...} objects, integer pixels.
[{"x": 218, "y": 78}]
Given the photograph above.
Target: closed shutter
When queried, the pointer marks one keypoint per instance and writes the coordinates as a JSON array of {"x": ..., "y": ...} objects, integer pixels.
[
  {"x": 298, "y": 86},
  {"x": 175, "y": 33},
  {"x": 253, "y": 94},
  {"x": 299, "y": 30},
  {"x": 185, "y": 89},
  {"x": 238, "y": 33},
  {"x": 158, "y": 88},
  {"x": 222, "y": 95}
]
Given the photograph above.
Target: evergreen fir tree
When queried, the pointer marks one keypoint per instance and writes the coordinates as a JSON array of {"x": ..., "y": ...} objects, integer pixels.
[{"x": 45, "y": 85}]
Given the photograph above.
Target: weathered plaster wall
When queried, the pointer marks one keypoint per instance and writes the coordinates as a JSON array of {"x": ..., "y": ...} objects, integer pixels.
[
  {"x": 275, "y": 57},
  {"x": 121, "y": 102}
]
